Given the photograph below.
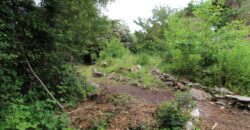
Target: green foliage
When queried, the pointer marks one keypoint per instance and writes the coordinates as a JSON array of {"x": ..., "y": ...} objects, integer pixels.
[
  {"x": 214, "y": 12},
  {"x": 73, "y": 86},
  {"x": 121, "y": 31},
  {"x": 206, "y": 47},
  {"x": 171, "y": 116},
  {"x": 184, "y": 100},
  {"x": 99, "y": 125},
  {"x": 82, "y": 31},
  {"x": 102, "y": 124},
  {"x": 114, "y": 49},
  {"x": 153, "y": 30},
  {"x": 120, "y": 60},
  {"x": 214, "y": 58},
  {"x": 39, "y": 115},
  {"x": 174, "y": 115},
  {"x": 51, "y": 36}
]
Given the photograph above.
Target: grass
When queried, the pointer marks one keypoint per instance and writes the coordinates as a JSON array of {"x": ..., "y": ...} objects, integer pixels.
[
  {"x": 121, "y": 68},
  {"x": 122, "y": 65}
]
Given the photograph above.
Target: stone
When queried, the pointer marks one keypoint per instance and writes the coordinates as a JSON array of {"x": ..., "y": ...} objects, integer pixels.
[
  {"x": 214, "y": 126},
  {"x": 196, "y": 85},
  {"x": 156, "y": 71},
  {"x": 125, "y": 79},
  {"x": 195, "y": 113},
  {"x": 104, "y": 64},
  {"x": 111, "y": 75},
  {"x": 198, "y": 94},
  {"x": 171, "y": 84},
  {"x": 98, "y": 74},
  {"x": 239, "y": 98},
  {"x": 95, "y": 84},
  {"x": 189, "y": 125},
  {"x": 136, "y": 84},
  {"x": 167, "y": 77},
  {"x": 222, "y": 107},
  {"x": 139, "y": 67},
  {"x": 223, "y": 91},
  {"x": 219, "y": 96},
  {"x": 180, "y": 86},
  {"x": 136, "y": 68},
  {"x": 220, "y": 103},
  {"x": 185, "y": 82}
]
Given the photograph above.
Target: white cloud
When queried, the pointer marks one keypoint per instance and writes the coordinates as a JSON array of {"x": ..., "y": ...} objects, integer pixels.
[
  {"x": 37, "y": 1},
  {"x": 130, "y": 10}
]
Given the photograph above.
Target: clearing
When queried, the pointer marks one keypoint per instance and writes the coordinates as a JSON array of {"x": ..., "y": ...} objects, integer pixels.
[{"x": 138, "y": 111}]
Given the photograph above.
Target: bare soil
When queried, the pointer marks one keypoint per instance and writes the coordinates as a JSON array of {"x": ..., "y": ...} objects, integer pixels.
[
  {"x": 132, "y": 114},
  {"x": 142, "y": 112},
  {"x": 155, "y": 96},
  {"x": 226, "y": 119}
]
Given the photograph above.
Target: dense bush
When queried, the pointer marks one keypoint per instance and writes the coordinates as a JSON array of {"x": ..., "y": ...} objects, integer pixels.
[
  {"x": 114, "y": 49},
  {"x": 210, "y": 55},
  {"x": 50, "y": 38},
  {"x": 40, "y": 115},
  {"x": 174, "y": 115},
  {"x": 171, "y": 116},
  {"x": 120, "y": 60}
]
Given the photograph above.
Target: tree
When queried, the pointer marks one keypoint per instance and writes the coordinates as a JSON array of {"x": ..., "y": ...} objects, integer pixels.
[
  {"x": 153, "y": 29},
  {"x": 49, "y": 36}
]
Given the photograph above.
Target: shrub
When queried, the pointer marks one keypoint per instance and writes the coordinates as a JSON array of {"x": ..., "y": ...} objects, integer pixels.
[
  {"x": 99, "y": 125},
  {"x": 175, "y": 114},
  {"x": 114, "y": 49},
  {"x": 213, "y": 58},
  {"x": 73, "y": 87},
  {"x": 184, "y": 100},
  {"x": 39, "y": 115},
  {"x": 171, "y": 116}
]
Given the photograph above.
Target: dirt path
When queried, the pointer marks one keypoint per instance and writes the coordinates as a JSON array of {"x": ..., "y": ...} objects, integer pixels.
[
  {"x": 149, "y": 96},
  {"x": 226, "y": 119}
]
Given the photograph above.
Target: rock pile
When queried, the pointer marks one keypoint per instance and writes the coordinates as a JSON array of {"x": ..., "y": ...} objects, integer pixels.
[
  {"x": 97, "y": 73},
  {"x": 221, "y": 96},
  {"x": 173, "y": 82},
  {"x": 110, "y": 76},
  {"x": 228, "y": 101}
]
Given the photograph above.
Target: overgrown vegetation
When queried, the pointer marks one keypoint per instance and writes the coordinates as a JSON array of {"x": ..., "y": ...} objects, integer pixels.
[
  {"x": 174, "y": 115},
  {"x": 51, "y": 39},
  {"x": 204, "y": 43},
  {"x": 208, "y": 42},
  {"x": 120, "y": 60}
]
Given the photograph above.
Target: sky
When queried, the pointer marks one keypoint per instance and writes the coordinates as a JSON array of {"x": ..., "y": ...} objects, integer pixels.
[{"x": 130, "y": 10}]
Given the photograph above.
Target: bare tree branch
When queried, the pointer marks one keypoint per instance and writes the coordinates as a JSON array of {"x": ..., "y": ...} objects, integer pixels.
[{"x": 46, "y": 89}]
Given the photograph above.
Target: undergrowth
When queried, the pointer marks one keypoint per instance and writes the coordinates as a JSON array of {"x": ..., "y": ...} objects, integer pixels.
[
  {"x": 173, "y": 115},
  {"x": 120, "y": 60}
]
